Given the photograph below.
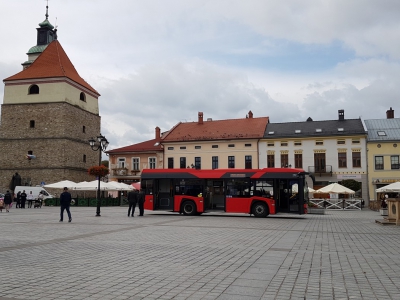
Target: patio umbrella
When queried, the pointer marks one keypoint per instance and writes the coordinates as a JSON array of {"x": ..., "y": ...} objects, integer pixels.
[
  {"x": 61, "y": 184},
  {"x": 393, "y": 188},
  {"x": 136, "y": 185},
  {"x": 335, "y": 188},
  {"x": 120, "y": 186},
  {"x": 93, "y": 185}
]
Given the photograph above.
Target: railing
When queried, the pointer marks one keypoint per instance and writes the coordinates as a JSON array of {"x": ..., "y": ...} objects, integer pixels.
[
  {"x": 316, "y": 169},
  {"x": 342, "y": 204}
]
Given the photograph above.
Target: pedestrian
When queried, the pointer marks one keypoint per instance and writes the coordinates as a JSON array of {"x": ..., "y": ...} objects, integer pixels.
[
  {"x": 141, "y": 200},
  {"x": 18, "y": 205},
  {"x": 30, "y": 199},
  {"x": 7, "y": 200},
  {"x": 132, "y": 199},
  {"x": 23, "y": 199},
  {"x": 65, "y": 202},
  {"x": 40, "y": 199}
]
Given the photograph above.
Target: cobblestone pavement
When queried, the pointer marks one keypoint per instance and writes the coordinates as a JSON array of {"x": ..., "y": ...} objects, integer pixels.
[{"x": 340, "y": 255}]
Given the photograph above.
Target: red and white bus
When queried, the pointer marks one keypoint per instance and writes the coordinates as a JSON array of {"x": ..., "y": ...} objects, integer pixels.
[{"x": 259, "y": 192}]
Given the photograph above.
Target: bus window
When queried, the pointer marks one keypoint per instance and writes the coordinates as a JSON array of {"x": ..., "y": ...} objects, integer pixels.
[
  {"x": 238, "y": 187},
  {"x": 190, "y": 187},
  {"x": 148, "y": 186},
  {"x": 264, "y": 188}
]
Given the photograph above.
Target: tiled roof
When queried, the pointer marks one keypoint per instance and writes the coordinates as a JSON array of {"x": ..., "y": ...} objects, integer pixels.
[
  {"x": 151, "y": 145},
  {"x": 383, "y": 129},
  {"x": 248, "y": 128},
  {"x": 314, "y": 128},
  {"x": 53, "y": 62}
]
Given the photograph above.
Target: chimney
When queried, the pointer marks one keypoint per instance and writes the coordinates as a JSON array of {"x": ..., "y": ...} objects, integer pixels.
[
  {"x": 390, "y": 114},
  {"x": 158, "y": 133},
  {"x": 341, "y": 114},
  {"x": 200, "y": 117},
  {"x": 250, "y": 114}
]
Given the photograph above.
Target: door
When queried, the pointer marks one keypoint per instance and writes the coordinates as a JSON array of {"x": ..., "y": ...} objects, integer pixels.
[{"x": 164, "y": 199}]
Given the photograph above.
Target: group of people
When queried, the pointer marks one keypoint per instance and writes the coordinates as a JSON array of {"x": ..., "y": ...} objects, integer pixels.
[
  {"x": 136, "y": 197},
  {"x": 21, "y": 199}
]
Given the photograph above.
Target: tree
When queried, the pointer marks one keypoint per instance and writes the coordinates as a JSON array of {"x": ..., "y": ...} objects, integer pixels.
[{"x": 351, "y": 184}]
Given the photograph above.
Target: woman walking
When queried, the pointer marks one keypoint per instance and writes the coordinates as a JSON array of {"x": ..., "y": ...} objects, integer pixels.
[{"x": 7, "y": 200}]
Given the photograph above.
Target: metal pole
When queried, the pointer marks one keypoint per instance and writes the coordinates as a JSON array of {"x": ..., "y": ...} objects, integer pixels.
[{"x": 98, "y": 185}]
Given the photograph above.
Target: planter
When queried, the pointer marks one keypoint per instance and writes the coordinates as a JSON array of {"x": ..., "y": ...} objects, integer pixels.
[
  {"x": 384, "y": 211},
  {"x": 316, "y": 211}
]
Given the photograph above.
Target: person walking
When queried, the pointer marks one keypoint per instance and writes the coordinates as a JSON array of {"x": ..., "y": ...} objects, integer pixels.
[
  {"x": 23, "y": 199},
  {"x": 132, "y": 199},
  {"x": 7, "y": 200},
  {"x": 30, "y": 199},
  {"x": 141, "y": 200},
  {"x": 65, "y": 202},
  {"x": 18, "y": 205}
]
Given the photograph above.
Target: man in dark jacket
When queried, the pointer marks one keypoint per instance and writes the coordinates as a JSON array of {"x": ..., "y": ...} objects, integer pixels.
[
  {"x": 65, "y": 202},
  {"x": 141, "y": 202},
  {"x": 23, "y": 198},
  {"x": 132, "y": 199},
  {"x": 7, "y": 200},
  {"x": 18, "y": 200}
]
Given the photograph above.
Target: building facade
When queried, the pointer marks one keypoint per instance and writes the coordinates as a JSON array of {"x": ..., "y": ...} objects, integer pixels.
[
  {"x": 47, "y": 117},
  {"x": 332, "y": 150},
  {"x": 383, "y": 152}
]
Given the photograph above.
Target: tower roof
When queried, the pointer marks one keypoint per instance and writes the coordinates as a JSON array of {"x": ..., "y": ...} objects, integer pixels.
[{"x": 52, "y": 62}]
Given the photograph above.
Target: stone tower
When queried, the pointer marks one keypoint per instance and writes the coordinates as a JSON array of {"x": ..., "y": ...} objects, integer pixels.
[{"x": 47, "y": 117}]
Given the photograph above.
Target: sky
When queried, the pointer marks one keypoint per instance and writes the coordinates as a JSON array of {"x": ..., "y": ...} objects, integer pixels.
[{"x": 160, "y": 62}]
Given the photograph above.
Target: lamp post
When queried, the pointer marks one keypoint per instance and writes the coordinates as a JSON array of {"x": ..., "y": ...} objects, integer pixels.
[{"x": 99, "y": 144}]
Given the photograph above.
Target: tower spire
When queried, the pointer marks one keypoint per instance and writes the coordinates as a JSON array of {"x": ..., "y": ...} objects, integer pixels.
[{"x": 47, "y": 10}]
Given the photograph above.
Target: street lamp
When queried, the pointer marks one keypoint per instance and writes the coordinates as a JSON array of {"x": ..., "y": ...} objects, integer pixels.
[{"x": 100, "y": 144}]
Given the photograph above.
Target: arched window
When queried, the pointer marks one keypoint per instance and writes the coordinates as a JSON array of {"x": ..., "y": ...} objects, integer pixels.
[
  {"x": 33, "y": 89},
  {"x": 82, "y": 96},
  {"x": 84, "y": 158}
]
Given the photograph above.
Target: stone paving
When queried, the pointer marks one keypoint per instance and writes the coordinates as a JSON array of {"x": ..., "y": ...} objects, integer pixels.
[{"x": 339, "y": 255}]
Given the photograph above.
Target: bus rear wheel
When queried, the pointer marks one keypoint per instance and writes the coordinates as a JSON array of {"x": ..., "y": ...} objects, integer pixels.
[
  {"x": 189, "y": 208},
  {"x": 260, "y": 210}
]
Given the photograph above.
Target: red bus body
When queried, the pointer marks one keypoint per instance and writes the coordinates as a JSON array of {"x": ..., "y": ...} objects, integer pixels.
[{"x": 253, "y": 191}]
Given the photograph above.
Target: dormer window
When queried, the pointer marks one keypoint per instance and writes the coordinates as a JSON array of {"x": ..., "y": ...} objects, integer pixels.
[
  {"x": 381, "y": 133},
  {"x": 33, "y": 89},
  {"x": 318, "y": 130},
  {"x": 271, "y": 132},
  {"x": 82, "y": 97},
  {"x": 297, "y": 131},
  {"x": 340, "y": 129}
]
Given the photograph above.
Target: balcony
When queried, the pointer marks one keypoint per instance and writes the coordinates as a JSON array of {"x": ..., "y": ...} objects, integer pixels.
[
  {"x": 321, "y": 171},
  {"x": 119, "y": 171}
]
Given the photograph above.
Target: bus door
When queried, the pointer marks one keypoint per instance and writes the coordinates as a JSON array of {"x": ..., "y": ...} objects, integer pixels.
[
  {"x": 216, "y": 194},
  {"x": 288, "y": 200},
  {"x": 163, "y": 195}
]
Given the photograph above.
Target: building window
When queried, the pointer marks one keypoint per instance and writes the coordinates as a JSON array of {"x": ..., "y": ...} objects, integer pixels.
[
  {"x": 231, "y": 162},
  {"x": 298, "y": 160},
  {"x": 84, "y": 158},
  {"x": 270, "y": 144},
  {"x": 135, "y": 163},
  {"x": 378, "y": 162},
  {"x": 247, "y": 145},
  {"x": 215, "y": 162},
  {"x": 33, "y": 89},
  {"x": 170, "y": 162},
  {"x": 319, "y": 143},
  {"x": 30, "y": 152},
  {"x": 284, "y": 144},
  {"x": 84, "y": 129},
  {"x": 297, "y": 143},
  {"x": 284, "y": 160},
  {"x": 152, "y": 162},
  {"x": 197, "y": 147},
  {"x": 182, "y": 162},
  {"x": 341, "y": 142},
  {"x": 248, "y": 162},
  {"x": 32, "y": 123},
  {"x": 271, "y": 161},
  {"x": 355, "y": 141},
  {"x": 394, "y": 162},
  {"x": 342, "y": 160},
  {"x": 82, "y": 96},
  {"x": 197, "y": 163},
  {"x": 182, "y": 147},
  {"x": 214, "y": 146},
  {"x": 231, "y": 145},
  {"x": 121, "y": 163},
  {"x": 170, "y": 148},
  {"x": 319, "y": 162},
  {"x": 356, "y": 159}
]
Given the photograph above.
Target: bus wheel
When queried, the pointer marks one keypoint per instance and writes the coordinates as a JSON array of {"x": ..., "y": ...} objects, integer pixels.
[
  {"x": 260, "y": 210},
  {"x": 189, "y": 208}
]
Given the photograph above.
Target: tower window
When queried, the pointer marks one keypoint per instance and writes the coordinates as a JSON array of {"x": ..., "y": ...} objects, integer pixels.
[
  {"x": 84, "y": 129},
  {"x": 84, "y": 158},
  {"x": 32, "y": 123},
  {"x": 82, "y": 96},
  {"x": 33, "y": 89},
  {"x": 30, "y": 152}
]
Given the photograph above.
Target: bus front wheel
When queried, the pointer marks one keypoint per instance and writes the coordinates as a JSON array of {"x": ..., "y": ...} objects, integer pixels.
[
  {"x": 189, "y": 208},
  {"x": 260, "y": 210}
]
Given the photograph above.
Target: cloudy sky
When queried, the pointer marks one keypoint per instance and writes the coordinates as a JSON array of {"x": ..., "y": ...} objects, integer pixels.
[{"x": 159, "y": 62}]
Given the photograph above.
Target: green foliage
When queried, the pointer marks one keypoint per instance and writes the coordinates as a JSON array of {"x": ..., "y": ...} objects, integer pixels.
[{"x": 351, "y": 184}]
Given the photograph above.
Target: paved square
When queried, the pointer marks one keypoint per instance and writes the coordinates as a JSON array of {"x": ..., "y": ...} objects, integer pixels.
[{"x": 340, "y": 255}]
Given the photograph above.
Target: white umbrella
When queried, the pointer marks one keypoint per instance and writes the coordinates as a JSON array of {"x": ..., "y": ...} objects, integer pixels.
[
  {"x": 393, "y": 187},
  {"x": 93, "y": 185},
  {"x": 120, "y": 186},
  {"x": 335, "y": 188},
  {"x": 61, "y": 184}
]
